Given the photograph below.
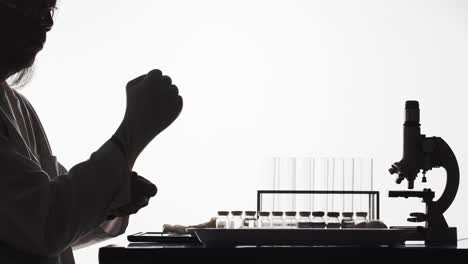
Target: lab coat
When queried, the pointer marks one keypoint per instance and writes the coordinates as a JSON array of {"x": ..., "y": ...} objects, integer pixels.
[{"x": 45, "y": 210}]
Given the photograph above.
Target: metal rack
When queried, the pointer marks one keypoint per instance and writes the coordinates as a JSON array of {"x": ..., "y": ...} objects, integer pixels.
[{"x": 373, "y": 196}]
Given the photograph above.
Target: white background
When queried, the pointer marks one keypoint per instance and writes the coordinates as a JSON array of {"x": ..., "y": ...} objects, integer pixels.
[{"x": 259, "y": 78}]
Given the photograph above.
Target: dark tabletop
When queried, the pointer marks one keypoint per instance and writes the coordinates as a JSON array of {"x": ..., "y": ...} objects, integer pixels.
[{"x": 169, "y": 253}]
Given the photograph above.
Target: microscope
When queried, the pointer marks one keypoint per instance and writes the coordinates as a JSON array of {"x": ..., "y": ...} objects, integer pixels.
[{"x": 421, "y": 154}]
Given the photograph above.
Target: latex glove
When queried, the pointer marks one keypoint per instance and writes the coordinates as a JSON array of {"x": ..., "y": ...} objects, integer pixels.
[
  {"x": 153, "y": 103},
  {"x": 141, "y": 191},
  {"x": 181, "y": 229}
]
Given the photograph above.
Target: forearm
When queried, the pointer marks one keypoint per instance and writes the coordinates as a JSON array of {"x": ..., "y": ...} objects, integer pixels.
[
  {"x": 45, "y": 216},
  {"x": 106, "y": 230}
]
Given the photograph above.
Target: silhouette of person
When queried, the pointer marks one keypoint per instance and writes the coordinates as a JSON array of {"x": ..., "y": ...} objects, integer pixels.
[{"x": 45, "y": 210}]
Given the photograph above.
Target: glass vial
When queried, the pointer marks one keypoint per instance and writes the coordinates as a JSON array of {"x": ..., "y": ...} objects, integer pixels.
[
  {"x": 222, "y": 221},
  {"x": 263, "y": 220},
  {"x": 317, "y": 219},
  {"x": 361, "y": 219},
  {"x": 347, "y": 221},
  {"x": 290, "y": 221},
  {"x": 250, "y": 219},
  {"x": 333, "y": 220},
  {"x": 304, "y": 220},
  {"x": 236, "y": 220},
  {"x": 277, "y": 220}
]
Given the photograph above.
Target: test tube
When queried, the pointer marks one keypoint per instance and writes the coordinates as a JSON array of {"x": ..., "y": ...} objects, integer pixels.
[
  {"x": 304, "y": 169},
  {"x": 363, "y": 182},
  {"x": 335, "y": 184},
  {"x": 312, "y": 167},
  {"x": 269, "y": 182},
  {"x": 320, "y": 183},
  {"x": 348, "y": 185},
  {"x": 330, "y": 184},
  {"x": 276, "y": 182},
  {"x": 287, "y": 176},
  {"x": 338, "y": 183}
]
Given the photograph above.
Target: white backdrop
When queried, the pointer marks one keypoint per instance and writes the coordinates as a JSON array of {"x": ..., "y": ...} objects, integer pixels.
[{"x": 259, "y": 78}]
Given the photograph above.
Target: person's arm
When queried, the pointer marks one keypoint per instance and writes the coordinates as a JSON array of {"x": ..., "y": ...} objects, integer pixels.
[
  {"x": 106, "y": 230},
  {"x": 44, "y": 216}
]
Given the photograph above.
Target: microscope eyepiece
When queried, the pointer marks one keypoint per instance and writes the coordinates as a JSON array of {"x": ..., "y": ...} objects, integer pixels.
[
  {"x": 412, "y": 113},
  {"x": 412, "y": 105}
]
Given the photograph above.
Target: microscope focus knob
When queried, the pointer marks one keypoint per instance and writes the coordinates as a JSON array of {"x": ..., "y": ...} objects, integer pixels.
[
  {"x": 399, "y": 179},
  {"x": 394, "y": 169}
]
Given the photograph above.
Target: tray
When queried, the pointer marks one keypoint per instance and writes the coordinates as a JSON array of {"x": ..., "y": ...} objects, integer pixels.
[
  {"x": 160, "y": 237},
  {"x": 212, "y": 237}
]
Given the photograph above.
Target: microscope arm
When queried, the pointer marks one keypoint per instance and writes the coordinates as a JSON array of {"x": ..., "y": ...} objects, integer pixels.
[{"x": 443, "y": 156}]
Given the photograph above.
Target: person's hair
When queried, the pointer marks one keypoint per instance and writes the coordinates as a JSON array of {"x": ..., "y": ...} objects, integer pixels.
[{"x": 22, "y": 77}]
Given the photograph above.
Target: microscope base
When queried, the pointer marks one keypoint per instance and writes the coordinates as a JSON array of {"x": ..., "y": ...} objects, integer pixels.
[
  {"x": 446, "y": 237},
  {"x": 441, "y": 237}
]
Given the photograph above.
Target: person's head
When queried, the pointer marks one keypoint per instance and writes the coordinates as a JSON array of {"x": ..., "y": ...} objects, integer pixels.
[{"x": 23, "y": 28}]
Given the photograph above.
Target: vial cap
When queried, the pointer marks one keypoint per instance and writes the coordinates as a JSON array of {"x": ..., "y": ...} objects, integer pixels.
[
  {"x": 333, "y": 214},
  {"x": 348, "y": 214},
  {"x": 236, "y": 213},
  {"x": 223, "y": 213},
  {"x": 318, "y": 213},
  {"x": 250, "y": 213},
  {"x": 291, "y": 213},
  {"x": 276, "y": 213},
  {"x": 264, "y": 213},
  {"x": 361, "y": 214},
  {"x": 306, "y": 214}
]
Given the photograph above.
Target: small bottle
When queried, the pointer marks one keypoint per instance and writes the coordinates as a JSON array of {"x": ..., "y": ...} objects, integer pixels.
[
  {"x": 304, "y": 220},
  {"x": 263, "y": 220},
  {"x": 249, "y": 220},
  {"x": 317, "y": 219},
  {"x": 277, "y": 220},
  {"x": 222, "y": 221},
  {"x": 361, "y": 219},
  {"x": 347, "y": 221},
  {"x": 333, "y": 220},
  {"x": 236, "y": 220},
  {"x": 290, "y": 221}
]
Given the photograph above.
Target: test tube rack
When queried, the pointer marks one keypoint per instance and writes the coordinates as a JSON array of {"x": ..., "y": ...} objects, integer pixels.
[{"x": 373, "y": 198}]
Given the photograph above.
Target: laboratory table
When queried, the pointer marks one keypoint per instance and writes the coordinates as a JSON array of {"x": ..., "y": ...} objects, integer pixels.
[{"x": 137, "y": 253}]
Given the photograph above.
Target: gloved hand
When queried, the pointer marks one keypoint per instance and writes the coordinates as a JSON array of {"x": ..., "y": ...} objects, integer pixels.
[
  {"x": 181, "y": 229},
  {"x": 153, "y": 103},
  {"x": 141, "y": 191}
]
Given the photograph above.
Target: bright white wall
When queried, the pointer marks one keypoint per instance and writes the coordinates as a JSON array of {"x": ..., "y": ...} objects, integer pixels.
[{"x": 259, "y": 78}]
